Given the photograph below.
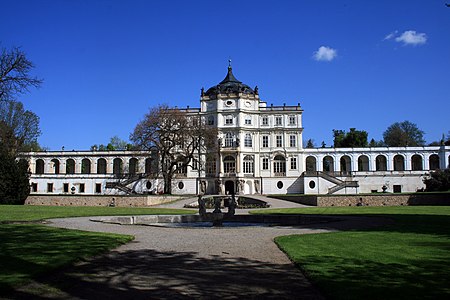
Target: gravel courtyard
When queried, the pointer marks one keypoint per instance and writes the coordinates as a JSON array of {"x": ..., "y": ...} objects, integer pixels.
[{"x": 186, "y": 263}]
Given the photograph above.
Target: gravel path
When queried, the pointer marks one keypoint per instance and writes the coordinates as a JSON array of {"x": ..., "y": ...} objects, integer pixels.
[{"x": 186, "y": 263}]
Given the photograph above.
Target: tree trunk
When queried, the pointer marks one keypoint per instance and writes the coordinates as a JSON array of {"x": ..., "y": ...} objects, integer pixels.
[{"x": 167, "y": 183}]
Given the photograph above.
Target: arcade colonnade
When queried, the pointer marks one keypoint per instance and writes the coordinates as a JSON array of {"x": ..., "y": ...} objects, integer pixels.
[{"x": 376, "y": 159}]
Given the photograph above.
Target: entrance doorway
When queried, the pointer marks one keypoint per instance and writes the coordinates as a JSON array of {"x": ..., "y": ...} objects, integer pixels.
[{"x": 229, "y": 187}]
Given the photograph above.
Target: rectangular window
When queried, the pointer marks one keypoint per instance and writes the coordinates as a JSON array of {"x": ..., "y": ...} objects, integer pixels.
[
  {"x": 81, "y": 187},
  {"x": 265, "y": 141},
  {"x": 194, "y": 164},
  {"x": 265, "y": 121},
  {"x": 98, "y": 188},
  {"x": 279, "y": 141},
  {"x": 397, "y": 188},
  {"x": 278, "y": 121},
  {"x": 34, "y": 187},
  {"x": 65, "y": 187},
  {"x": 291, "y": 120},
  {"x": 293, "y": 163},
  {"x": 49, "y": 187},
  {"x": 248, "y": 121},
  {"x": 228, "y": 120},
  {"x": 248, "y": 140},
  {"x": 265, "y": 163},
  {"x": 293, "y": 141}
]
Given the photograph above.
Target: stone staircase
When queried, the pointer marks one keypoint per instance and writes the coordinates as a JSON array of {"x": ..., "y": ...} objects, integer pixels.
[
  {"x": 124, "y": 181},
  {"x": 331, "y": 177}
]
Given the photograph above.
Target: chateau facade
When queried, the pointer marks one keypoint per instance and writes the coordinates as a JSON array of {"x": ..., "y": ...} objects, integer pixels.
[{"x": 260, "y": 152}]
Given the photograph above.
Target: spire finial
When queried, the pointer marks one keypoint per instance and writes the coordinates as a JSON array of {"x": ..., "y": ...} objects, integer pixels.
[{"x": 229, "y": 63}]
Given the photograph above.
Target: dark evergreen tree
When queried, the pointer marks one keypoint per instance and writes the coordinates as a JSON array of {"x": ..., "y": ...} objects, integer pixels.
[
  {"x": 438, "y": 180},
  {"x": 351, "y": 139},
  {"x": 14, "y": 179}
]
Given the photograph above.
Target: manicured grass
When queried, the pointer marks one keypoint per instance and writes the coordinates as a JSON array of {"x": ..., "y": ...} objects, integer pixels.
[
  {"x": 407, "y": 260},
  {"x": 36, "y": 213},
  {"x": 28, "y": 251}
]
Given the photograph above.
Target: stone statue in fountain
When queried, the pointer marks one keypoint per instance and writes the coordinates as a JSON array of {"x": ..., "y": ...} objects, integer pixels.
[
  {"x": 201, "y": 206},
  {"x": 232, "y": 205}
]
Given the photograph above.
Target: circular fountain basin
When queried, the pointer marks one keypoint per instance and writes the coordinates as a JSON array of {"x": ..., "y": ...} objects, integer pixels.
[{"x": 197, "y": 221}]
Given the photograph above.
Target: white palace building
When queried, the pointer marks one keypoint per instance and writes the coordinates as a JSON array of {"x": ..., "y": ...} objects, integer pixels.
[{"x": 260, "y": 152}]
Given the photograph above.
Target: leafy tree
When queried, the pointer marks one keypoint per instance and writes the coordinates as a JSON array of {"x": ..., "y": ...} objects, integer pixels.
[
  {"x": 176, "y": 137},
  {"x": 115, "y": 143},
  {"x": 353, "y": 138},
  {"x": 438, "y": 180},
  {"x": 404, "y": 134},
  {"x": 15, "y": 78},
  {"x": 310, "y": 144},
  {"x": 374, "y": 143}
]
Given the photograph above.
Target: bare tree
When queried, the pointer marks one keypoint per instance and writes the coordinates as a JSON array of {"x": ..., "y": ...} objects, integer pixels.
[
  {"x": 15, "y": 78},
  {"x": 176, "y": 136}
]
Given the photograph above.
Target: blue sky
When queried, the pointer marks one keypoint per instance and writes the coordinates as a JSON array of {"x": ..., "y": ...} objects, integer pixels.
[{"x": 362, "y": 64}]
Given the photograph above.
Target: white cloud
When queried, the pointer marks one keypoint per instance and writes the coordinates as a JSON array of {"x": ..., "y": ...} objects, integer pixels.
[
  {"x": 391, "y": 35},
  {"x": 411, "y": 37},
  {"x": 325, "y": 54}
]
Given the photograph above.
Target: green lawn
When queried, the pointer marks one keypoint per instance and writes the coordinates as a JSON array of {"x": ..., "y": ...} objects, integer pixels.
[
  {"x": 35, "y": 213},
  {"x": 28, "y": 251},
  {"x": 407, "y": 260}
]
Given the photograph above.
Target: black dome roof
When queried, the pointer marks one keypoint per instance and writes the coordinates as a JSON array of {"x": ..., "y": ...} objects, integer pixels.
[{"x": 230, "y": 85}]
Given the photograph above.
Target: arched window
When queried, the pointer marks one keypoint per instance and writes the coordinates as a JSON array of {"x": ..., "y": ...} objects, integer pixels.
[
  {"x": 381, "y": 163},
  {"x": 133, "y": 165},
  {"x": 210, "y": 164},
  {"x": 416, "y": 163},
  {"x": 434, "y": 162},
  {"x": 229, "y": 164},
  {"x": 279, "y": 166},
  {"x": 248, "y": 164},
  {"x": 101, "y": 166},
  {"x": 70, "y": 166},
  {"x": 117, "y": 166},
  {"x": 399, "y": 163},
  {"x": 85, "y": 166},
  {"x": 39, "y": 166},
  {"x": 248, "y": 140},
  {"x": 328, "y": 164},
  {"x": 55, "y": 166},
  {"x": 311, "y": 164},
  {"x": 363, "y": 163},
  {"x": 229, "y": 139},
  {"x": 346, "y": 164}
]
